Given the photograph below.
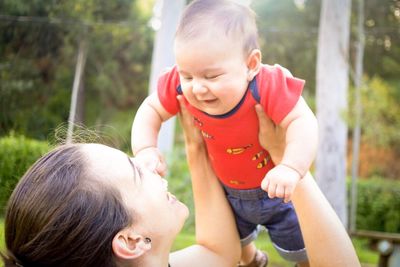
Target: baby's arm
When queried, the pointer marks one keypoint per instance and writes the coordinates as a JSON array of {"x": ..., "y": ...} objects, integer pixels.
[
  {"x": 301, "y": 145},
  {"x": 301, "y": 137},
  {"x": 145, "y": 129}
]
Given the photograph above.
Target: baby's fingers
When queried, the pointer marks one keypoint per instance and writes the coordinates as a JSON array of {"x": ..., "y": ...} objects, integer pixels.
[
  {"x": 288, "y": 194},
  {"x": 272, "y": 190},
  {"x": 265, "y": 184},
  {"x": 265, "y": 123},
  {"x": 161, "y": 168},
  {"x": 280, "y": 191}
]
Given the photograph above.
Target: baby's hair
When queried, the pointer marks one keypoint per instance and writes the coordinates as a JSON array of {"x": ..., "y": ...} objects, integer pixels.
[{"x": 236, "y": 21}]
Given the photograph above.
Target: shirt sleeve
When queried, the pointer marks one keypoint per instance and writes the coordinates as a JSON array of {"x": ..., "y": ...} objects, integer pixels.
[
  {"x": 279, "y": 91},
  {"x": 167, "y": 90}
]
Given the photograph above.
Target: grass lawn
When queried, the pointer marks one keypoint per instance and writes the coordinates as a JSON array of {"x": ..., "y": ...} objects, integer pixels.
[
  {"x": 184, "y": 239},
  {"x": 366, "y": 255}
]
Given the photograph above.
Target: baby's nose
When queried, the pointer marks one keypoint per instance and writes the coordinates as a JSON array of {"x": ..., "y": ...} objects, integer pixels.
[{"x": 198, "y": 87}]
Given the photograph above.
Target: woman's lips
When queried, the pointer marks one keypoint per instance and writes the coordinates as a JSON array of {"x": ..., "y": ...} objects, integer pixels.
[{"x": 171, "y": 197}]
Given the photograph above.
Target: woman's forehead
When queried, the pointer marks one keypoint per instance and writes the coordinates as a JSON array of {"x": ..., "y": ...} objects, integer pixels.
[{"x": 107, "y": 162}]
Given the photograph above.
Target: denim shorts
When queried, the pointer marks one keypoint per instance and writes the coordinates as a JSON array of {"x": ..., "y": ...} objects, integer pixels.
[{"x": 253, "y": 207}]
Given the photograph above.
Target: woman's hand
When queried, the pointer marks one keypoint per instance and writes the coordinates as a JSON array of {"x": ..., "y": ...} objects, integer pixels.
[
  {"x": 271, "y": 136},
  {"x": 212, "y": 210},
  {"x": 192, "y": 135}
]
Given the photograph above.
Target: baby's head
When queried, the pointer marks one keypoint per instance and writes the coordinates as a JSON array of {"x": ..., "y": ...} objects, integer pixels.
[
  {"x": 217, "y": 55},
  {"x": 221, "y": 18}
]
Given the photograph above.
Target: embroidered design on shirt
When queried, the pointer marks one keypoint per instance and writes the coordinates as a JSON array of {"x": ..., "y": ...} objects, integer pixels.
[
  {"x": 263, "y": 162},
  {"x": 238, "y": 150},
  {"x": 198, "y": 122},
  {"x": 206, "y": 135},
  {"x": 236, "y": 182}
]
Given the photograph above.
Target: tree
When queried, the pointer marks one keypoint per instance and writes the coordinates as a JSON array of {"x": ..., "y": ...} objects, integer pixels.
[
  {"x": 331, "y": 98},
  {"x": 38, "y": 50},
  {"x": 358, "y": 73}
]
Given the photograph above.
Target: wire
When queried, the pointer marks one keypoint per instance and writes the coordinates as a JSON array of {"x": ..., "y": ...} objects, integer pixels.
[{"x": 47, "y": 20}]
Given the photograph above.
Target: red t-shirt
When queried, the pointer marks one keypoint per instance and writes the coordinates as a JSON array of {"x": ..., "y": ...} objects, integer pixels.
[{"x": 237, "y": 157}]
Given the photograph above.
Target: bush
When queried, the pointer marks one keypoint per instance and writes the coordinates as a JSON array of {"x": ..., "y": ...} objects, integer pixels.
[
  {"x": 378, "y": 205},
  {"x": 17, "y": 153}
]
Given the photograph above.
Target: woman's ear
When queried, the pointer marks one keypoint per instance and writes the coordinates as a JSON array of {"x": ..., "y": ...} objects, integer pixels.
[
  {"x": 129, "y": 245},
  {"x": 253, "y": 64}
]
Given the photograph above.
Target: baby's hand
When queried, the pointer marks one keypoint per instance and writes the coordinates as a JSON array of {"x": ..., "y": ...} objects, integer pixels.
[
  {"x": 280, "y": 182},
  {"x": 152, "y": 159}
]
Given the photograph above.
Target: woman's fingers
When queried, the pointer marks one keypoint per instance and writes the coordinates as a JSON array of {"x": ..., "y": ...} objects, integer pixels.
[
  {"x": 191, "y": 133},
  {"x": 265, "y": 123},
  {"x": 271, "y": 137}
]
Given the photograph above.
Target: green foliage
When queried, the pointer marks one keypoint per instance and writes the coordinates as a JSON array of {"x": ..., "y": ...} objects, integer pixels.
[
  {"x": 380, "y": 113},
  {"x": 378, "y": 205},
  {"x": 382, "y": 51},
  {"x": 288, "y": 36},
  {"x": 38, "y": 58},
  {"x": 17, "y": 153},
  {"x": 113, "y": 128}
]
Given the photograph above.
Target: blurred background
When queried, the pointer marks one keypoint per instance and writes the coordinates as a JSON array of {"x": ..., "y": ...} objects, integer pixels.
[{"x": 41, "y": 43}]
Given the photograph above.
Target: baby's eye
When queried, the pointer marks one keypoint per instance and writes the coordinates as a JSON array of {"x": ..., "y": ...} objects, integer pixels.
[
  {"x": 214, "y": 76},
  {"x": 187, "y": 78}
]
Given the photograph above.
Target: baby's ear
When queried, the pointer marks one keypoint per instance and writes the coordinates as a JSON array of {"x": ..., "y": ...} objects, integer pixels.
[
  {"x": 253, "y": 64},
  {"x": 128, "y": 245}
]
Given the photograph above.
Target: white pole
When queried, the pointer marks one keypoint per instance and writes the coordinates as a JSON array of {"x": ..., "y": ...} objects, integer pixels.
[{"x": 163, "y": 57}]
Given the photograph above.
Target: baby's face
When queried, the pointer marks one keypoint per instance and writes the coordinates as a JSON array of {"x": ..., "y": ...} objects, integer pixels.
[{"x": 213, "y": 73}]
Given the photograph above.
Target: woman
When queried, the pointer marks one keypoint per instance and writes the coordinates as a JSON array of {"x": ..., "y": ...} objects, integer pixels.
[{"x": 91, "y": 205}]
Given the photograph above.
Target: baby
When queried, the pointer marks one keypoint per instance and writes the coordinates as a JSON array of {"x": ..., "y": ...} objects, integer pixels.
[{"x": 220, "y": 77}]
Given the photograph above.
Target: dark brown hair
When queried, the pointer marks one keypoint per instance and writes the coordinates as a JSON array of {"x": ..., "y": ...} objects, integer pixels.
[
  {"x": 60, "y": 216},
  {"x": 236, "y": 21}
]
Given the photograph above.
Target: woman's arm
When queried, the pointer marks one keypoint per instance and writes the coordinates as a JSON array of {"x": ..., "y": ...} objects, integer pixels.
[
  {"x": 217, "y": 238},
  {"x": 326, "y": 240}
]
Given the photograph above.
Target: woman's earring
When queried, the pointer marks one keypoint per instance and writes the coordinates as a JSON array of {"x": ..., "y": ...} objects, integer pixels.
[{"x": 147, "y": 240}]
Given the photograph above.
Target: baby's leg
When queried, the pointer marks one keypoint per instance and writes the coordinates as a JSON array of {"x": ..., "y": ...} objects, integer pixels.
[
  {"x": 285, "y": 233},
  {"x": 303, "y": 264},
  {"x": 251, "y": 257},
  {"x": 245, "y": 204},
  {"x": 248, "y": 253}
]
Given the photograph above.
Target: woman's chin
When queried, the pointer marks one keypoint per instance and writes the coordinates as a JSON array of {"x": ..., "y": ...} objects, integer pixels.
[{"x": 182, "y": 216}]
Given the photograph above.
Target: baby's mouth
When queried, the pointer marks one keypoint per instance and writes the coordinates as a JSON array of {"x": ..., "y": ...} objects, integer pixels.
[{"x": 209, "y": 101}]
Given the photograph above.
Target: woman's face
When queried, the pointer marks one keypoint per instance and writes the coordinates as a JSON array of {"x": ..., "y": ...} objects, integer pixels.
[{"x": 157, "y": 213}]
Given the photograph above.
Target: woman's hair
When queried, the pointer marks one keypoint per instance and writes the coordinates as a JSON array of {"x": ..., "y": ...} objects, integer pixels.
[
  {"x": 236, "y": 21},
  {"x": 60, "y": 215}
]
